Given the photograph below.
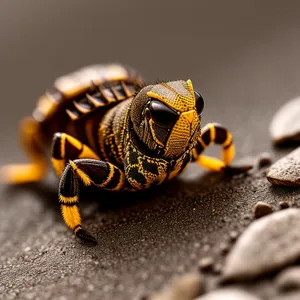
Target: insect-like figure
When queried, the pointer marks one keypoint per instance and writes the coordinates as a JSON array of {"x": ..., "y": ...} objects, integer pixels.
[{"x": 108, "y": 129}]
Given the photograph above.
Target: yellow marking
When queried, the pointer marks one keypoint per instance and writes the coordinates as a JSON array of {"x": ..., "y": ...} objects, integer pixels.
[
  {"x": 210, "y": 163},
  {"x": 156, "y": 96},
  {"x": 190, "y": 115},
  {"x": 71, "y": 215},
  {"x": 84, "y": 177},
  {"x": 153, "y": 134},
  {"x": 228, "y": 139},
  {"x": 110, "y": 175},
  {"x": 190, "y": 86},
  {"x": 228, "y": 154},
  {"x": 202, "y": 143},
  {"x": 68, "y": 199},
  {"x": 77, "y": 144},
  {"x": 120, "y": 185},
  {"x": 212, "y": 131},
  {"x": 58, "y": 165}
]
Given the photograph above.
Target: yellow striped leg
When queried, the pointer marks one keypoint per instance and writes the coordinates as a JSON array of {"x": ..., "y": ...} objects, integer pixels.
[
  {"x": 32, "y": 142},
  {"x": 65, "y": 147},
  {"x": 89, "y": 172},
  {"x": 214, "y": 132}
]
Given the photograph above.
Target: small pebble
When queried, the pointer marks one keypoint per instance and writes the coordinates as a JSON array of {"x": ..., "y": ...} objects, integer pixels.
[
  {"x": 233, "y": 235},
  {"x": 264, "y": 159},
  {"x": 285, "y": 125},
  {"x": 206, "y": 263},
  {"x": 262, "y": 209},
  {"x": 284, "y": 204},
  {"x": 186, "y": 287},
  {"x": 286, "y": 171},
  {"x": 224, "y": 248}
]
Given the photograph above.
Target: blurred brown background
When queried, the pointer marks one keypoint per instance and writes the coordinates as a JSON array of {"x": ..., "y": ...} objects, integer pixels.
[{"x": 242, "y": 55}]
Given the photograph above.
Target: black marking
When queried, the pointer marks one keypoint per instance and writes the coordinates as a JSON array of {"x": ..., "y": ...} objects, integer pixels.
[
  {"x": 69, "y": 204},
  {"x": 77, "y": 226},
  {"x": 206, "y": 137},
  {"x": 161, "y": 133},
  {"x": 199, "y": 148},
  {"x": 150, "y": 167},
  {"x": 97, "y": 170},
  {"x": 134, "y": 174},
  {"x": 133, "y": 158},
  {"x": 56, "y": 146},
  {"x": 85, "y": 236},
  {"x": 115, "y": 180},
  {"x": 71, "y": 152},
  {"x": 185, "y": 162},
  {"x": 221, "y": 134},
  {"x": 68, "y": 185}
]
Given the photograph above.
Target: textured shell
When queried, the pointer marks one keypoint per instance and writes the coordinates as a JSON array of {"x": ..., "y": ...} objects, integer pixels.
[{"x": 86, "y": 89}]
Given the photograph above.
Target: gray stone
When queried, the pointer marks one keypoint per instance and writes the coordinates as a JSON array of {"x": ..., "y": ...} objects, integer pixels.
[
  {"x": 186, "y": 287},
  {"x": 264, "y": 159},
  {"x": 262, "y": 209},
  {"x": 286, "y": 171},
  {"x": 206, "y": 263},
  {"x": 267, "y": 244},
  {"x": 228, "y": 294},
  {"x": 288, "y": 279},
  {"x": 285, "y": 125}
]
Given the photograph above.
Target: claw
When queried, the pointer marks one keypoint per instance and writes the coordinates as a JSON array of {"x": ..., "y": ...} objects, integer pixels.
[{"x": 85, "y": 236}]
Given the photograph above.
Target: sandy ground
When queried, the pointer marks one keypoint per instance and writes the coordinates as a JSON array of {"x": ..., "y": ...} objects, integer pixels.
[{"x": 242, "y": 56}]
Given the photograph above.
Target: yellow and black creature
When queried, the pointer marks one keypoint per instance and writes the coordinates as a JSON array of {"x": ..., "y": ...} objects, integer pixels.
[{"x": 109, "y": 130}]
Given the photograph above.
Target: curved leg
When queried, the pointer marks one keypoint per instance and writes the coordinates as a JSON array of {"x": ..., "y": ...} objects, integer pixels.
[
  {"x": 31, "y": 140},
  {"x": 89, "y": 172},
  {"x": 214, "y": 132},
  {"x": 65, "y": 147}
]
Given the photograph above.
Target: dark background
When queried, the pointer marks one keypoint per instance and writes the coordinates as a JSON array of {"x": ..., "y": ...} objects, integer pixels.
[{"x": 243, "y": 56}]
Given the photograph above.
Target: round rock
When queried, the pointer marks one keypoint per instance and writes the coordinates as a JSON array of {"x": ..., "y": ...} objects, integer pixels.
[
  {"x": 185, "y": 287},
  {"x": 286, "y": 171},
  {"x": 268, "y": 244},
  {"x": 206, "y": 263},
  {"x": 285, "y": 125},
  {"x": 262, "y": 209}
]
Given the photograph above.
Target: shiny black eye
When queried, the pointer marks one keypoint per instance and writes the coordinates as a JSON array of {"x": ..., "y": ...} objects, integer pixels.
[
  {"x": 199, "y": 102},
  {"x": 161, "y": 114}
]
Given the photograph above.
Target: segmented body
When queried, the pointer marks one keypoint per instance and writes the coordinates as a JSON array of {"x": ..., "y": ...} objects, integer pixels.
[
  {"x": 107, "y": 129},
  {"x": 96, "y": 113}
]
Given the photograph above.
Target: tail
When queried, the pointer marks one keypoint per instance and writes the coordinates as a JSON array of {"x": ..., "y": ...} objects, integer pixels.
[{"x": 31, "y": 139}]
